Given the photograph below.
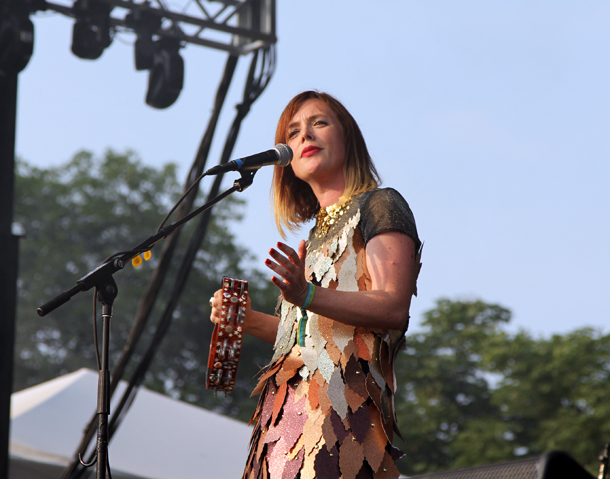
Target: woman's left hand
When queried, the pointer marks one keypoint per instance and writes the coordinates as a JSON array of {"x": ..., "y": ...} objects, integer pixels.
[{"x": 291, "y": 267}]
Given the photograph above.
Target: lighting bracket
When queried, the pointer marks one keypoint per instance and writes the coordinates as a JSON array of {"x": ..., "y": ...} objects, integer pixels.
[{"x": 238, "y": 27}]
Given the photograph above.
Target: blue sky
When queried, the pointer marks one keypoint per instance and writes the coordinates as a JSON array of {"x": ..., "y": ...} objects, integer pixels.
[{"x": 491, "y": 118}]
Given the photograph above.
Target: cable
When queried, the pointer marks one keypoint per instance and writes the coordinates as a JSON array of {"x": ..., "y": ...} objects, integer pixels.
[
  {"x": 253, "y": 89},
  {"x": 255, "y": 85},
  {"x": 73, "y": 471}
]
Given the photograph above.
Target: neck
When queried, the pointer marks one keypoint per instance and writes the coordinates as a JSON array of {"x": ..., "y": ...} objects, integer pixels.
[
  {"x": 328, "y": 194},
  {"x": 329, "y": 198}
]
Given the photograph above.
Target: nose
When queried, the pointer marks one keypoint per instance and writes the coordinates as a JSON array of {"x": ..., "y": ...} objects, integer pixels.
[{"x": 307, "y": 134}]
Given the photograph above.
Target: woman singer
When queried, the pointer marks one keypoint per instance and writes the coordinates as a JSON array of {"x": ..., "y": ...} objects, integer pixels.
[{"x": 326, "y": 408}]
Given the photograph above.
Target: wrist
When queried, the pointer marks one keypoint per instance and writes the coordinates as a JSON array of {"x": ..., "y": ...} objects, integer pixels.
[{"x": 311, "y": 289}]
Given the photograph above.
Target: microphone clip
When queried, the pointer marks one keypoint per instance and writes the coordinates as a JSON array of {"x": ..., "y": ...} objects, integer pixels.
[{"x": 247, "y": 177}]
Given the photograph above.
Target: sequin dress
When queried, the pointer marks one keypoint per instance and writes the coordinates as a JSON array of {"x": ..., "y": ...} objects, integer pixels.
[{"x": 326, "y": 408}]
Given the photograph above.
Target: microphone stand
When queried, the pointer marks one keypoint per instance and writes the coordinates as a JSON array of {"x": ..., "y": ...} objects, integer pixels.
[{"x": 107, "y": 290}]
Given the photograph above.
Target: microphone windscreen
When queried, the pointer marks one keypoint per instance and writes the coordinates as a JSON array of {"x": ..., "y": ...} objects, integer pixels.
[{"x": 285, "y": 154}]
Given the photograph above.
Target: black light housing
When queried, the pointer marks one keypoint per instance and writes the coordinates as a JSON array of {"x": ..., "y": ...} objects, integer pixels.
[
  {"x": 145, "y": 24},
  {"x": 16, "y": 39},
  {"x": 144, "y": 52},
  {"x": 166, "y": 77},
  {"x": 91, "y": 32}
]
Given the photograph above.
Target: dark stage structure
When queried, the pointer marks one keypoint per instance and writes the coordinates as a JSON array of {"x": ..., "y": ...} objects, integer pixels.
[{"x": 238, "y": 27}]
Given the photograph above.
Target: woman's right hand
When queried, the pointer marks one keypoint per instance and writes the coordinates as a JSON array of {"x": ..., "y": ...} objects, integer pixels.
[
  {"x": 259, "y": 325},
  {"x": 216, "y": 304}
]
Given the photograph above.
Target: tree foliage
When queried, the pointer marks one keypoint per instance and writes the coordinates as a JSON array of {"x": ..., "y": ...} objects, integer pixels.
[
  {"x": 75, "y": 215},
  {"x": 469, "y": 393},
  {"x": 472, "y": 394}
]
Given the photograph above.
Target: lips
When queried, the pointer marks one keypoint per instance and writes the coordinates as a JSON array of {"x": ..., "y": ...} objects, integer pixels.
[{"x": 309, "y": 150}]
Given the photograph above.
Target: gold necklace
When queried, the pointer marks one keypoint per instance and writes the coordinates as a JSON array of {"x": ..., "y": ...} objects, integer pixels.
[{"x": 327, "y": 216}]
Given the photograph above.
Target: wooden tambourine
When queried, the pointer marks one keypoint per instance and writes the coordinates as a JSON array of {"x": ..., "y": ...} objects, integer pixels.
[{"x": 225, "y": 346}]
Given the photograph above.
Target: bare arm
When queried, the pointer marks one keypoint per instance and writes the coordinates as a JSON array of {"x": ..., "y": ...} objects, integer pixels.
[
  {"x": 390, "y": 259},
  {"x": 262, "y": 326}
]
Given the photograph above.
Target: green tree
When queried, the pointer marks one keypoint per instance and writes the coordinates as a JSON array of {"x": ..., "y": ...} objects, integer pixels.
[
  {"x": 471, "y": 394},
  {"x": 75, "y": 215},
  {"x": 553, "y": 393},
  {"x": 441, "y": 384}
]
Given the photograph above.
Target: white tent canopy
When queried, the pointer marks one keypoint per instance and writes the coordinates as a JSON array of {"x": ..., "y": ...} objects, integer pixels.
[{"x": 160, "y": 438}]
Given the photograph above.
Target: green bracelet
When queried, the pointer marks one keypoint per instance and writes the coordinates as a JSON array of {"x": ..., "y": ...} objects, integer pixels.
[{"x": 309, "y": 298}]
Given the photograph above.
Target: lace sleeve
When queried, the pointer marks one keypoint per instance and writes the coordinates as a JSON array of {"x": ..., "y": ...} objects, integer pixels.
[{"x": 383, "y": 210}]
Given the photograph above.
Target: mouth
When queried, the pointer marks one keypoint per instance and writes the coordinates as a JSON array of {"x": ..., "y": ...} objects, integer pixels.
[{"x": 309, "y": 151}]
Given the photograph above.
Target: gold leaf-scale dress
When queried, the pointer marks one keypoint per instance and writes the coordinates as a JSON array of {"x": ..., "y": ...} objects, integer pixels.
[{"x": 326, "y": 409}]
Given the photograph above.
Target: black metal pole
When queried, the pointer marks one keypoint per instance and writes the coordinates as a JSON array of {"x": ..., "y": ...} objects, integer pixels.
[
  {"x": 103, "y": 403},
  {"x": 9, "y": 248},
  {"x": 106, "y": 293}
]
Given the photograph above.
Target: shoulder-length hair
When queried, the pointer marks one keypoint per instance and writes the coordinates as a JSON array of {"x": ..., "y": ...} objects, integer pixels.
[{"x": 293, "y": 199}]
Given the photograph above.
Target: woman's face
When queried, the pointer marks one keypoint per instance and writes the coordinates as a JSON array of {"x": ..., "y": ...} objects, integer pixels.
[{"x": 317, "y": 140}]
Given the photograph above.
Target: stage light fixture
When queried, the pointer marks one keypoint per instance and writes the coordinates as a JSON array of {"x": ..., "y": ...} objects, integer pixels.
[
  {"x": 16, "y": 38},
  {"x": 145, "y": 24},
  {"x": 144, "y": 52},
  {"x": 166, "y": 77},
  {"x": 91, "y": 33}
]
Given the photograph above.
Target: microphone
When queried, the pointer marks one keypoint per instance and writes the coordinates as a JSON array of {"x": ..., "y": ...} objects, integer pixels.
[{"x": 279, "y": 155}]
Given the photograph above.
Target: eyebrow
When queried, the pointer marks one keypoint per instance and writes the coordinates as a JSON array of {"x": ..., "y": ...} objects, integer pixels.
[{"x": 310, "y": 118}]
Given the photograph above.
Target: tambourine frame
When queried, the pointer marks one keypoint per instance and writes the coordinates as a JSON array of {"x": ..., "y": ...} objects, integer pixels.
[{"x": 226, "y": 342}]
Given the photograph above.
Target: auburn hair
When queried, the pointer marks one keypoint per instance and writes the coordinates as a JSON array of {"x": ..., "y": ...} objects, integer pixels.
[{"x": 293, "y": 199}]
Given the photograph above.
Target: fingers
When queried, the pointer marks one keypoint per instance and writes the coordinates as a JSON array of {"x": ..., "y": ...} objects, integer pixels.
[
  {"x": 279, "y": 270},
  {"x": 289, "y": 266},
  {"x": 290, "y": 253},
  {"x": 216, "y": 312},
  {"x": 280, "y": 284},
  {"x": 217, "y": 299},
  {"x": 282, "y": 263},
  {"x": 302, "y": 251},
  {"x": 216, "y": 304}
]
